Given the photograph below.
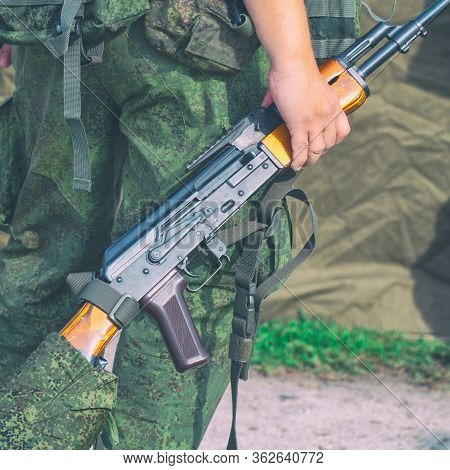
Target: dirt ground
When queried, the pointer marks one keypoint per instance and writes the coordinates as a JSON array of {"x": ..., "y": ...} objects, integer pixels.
[{"x": 297, "y": 411}]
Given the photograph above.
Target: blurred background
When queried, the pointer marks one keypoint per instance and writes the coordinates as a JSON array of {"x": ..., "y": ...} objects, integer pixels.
[{"x": 382, "y": 198}]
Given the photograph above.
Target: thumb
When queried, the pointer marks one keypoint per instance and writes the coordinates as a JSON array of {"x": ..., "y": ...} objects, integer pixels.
[{"x": 268, "y": 100}]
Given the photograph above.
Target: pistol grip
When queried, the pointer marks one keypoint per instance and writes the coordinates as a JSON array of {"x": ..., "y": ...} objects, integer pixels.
[{"x": 169, "y": 308}]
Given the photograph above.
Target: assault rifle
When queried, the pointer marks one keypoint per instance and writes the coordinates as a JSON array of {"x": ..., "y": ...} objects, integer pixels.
[{"x": 143, "y": 269}]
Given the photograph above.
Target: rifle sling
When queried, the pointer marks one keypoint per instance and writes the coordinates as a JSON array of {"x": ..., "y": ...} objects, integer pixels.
[
  {"x": 249, "y": 295},
  {"x": 121, "y": 309}
]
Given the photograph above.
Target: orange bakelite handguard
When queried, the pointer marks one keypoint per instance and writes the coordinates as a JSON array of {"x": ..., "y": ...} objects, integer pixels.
[
  {"x": 352, "y": 94},
  {"x": 89, "y": 331}
]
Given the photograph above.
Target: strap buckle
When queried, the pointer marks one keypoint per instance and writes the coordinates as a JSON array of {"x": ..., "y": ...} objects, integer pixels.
[
  {"x": 244, "y": 324},
  {"x": 275, "y": 222},
  {"x": 75, "y": 31},
  {"x": 115, "y": 310}
]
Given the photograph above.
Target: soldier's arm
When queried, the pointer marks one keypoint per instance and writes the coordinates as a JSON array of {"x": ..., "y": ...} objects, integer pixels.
[{"x": 305, "y": 100}]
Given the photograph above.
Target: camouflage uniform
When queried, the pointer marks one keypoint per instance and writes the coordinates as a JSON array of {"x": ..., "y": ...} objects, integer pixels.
[
  {"x": 146, "y": 117},
  {"x": 57, "y": 401}
]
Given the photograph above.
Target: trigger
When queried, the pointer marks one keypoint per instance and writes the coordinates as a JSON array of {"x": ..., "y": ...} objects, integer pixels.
[{"x": 183, "y": 267}]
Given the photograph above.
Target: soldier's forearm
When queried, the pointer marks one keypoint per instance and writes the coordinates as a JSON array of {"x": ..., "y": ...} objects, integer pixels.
[{"x": 282, "y": 27}]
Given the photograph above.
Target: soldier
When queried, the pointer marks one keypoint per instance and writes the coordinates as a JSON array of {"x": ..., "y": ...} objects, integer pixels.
[{"x": 167, "y": 89}]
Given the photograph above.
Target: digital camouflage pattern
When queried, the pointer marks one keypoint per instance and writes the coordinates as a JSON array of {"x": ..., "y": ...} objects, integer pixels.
[
  {"x": 168, "y": 114},
  {"x": 32, "y": 24},
  {"x": 202, "y": 28},
  {"x": 56, "y": 401},
  {"x": 146, "y": 116}
]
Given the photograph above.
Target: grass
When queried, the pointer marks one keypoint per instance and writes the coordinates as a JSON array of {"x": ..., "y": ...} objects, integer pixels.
[{"x": 307, "y": 344}]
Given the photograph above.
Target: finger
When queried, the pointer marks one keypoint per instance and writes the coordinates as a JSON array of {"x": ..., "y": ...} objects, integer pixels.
[
  {"x": 299, "y": 150},
  {"x": 316, "y": 148},
  {"x": 267, "y": 101},
  {"x": 330, "y": 135},
  {"x": 343, "y": 128}
]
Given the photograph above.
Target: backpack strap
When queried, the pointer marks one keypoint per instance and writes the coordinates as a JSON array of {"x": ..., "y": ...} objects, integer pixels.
[
  {"x": 249, "y": 295},
  {"x": 68, "y": 44}
]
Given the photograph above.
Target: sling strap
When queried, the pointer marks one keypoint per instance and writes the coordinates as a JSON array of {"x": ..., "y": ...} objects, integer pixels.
[
  {"x": 68, "y": 44},
  {"x": 250, "y": 293},
  {"x": 121, "y": 309}
]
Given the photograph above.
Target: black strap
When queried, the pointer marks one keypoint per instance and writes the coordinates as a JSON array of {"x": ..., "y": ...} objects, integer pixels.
[{"x": 249, "y": 295}]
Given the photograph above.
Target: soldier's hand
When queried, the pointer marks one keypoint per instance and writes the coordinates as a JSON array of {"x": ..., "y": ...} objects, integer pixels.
[
  {"x": 310, "y": 108},
  {"x": 5, "y": 55}
]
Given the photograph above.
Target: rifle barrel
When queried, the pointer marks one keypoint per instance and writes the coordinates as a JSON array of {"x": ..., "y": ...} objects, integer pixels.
[
  {"x": 401, "y": 38},
  {"x": 365, "y": 43}
]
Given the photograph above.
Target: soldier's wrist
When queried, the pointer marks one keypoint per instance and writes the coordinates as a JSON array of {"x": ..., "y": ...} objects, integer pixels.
[{"x": 286, "y": 64}]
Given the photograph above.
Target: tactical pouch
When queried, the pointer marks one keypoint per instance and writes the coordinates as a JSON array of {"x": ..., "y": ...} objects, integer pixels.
[
  {"x": 334, "y": 25},
  {"x": 198, "y": 33},
  {"x": 31, "y": 22}
]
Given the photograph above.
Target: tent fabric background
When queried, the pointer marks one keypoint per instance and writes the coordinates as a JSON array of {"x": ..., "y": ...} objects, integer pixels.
[{"x": 382, "y": 198}]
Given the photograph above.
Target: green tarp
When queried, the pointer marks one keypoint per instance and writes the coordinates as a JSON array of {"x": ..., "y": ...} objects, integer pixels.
[{"x": 383, "y": 200}]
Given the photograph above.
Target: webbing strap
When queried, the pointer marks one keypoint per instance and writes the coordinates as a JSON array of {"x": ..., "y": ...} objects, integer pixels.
[
  {"x": 78, "y": 281},
  {"x": 239, "y": 232},
  {"x": 236, "y": 368},
  {"x": 333, "y": 8},
  {"x": 324, "y": 48},
  {"x": 94, "y": 54},
  {"x": 377, "y": 17},
  {"x": 68, "y": 44},
  {"x": 59, "y": 45},
  {"x": 247, "y": 308},
  {"x": 122, "y": 309},
  {"x": 248, "y": 264},
  {"x": 72, "y": 115},
  {"x": 266, "y": 287}
]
